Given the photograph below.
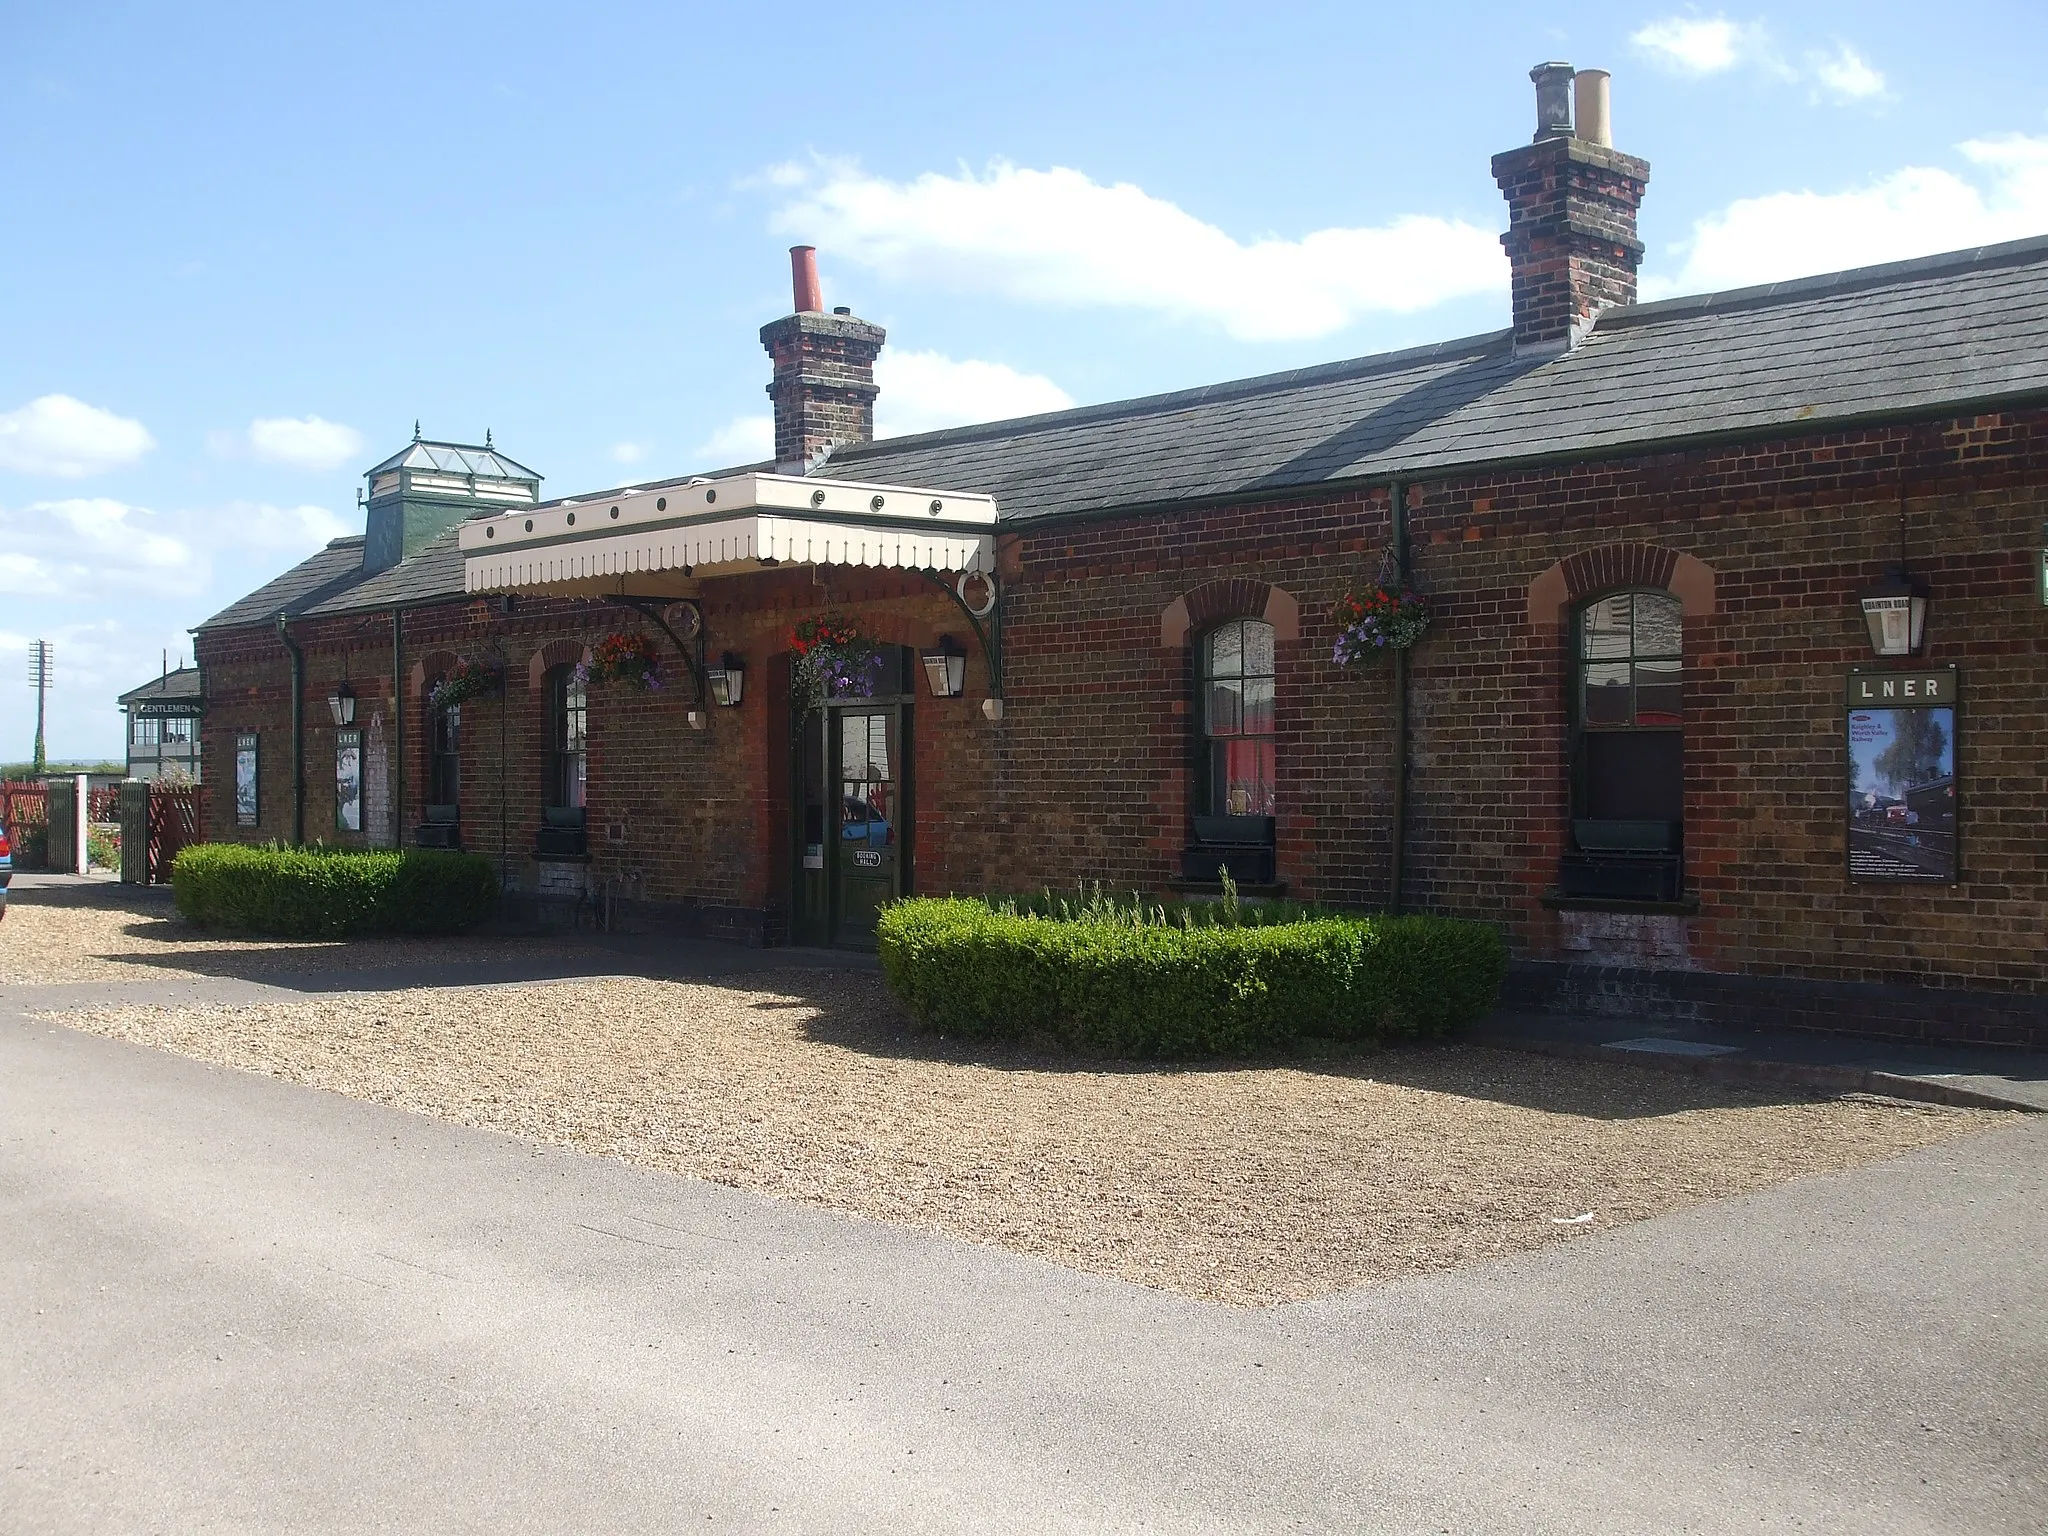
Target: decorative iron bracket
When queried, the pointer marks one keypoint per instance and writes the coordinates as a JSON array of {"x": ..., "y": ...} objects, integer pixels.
[
  {"x": 990, "y": 634},
  {"x": 651, "y": 608}
]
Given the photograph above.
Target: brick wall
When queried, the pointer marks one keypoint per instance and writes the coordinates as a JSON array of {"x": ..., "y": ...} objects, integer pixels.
[
  {"x": 1088, "y": 775},
  {"x": 687, "y": 825}
]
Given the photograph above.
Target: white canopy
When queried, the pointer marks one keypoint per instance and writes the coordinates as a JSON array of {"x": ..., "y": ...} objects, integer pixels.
[{"x": 720, "y": 527}]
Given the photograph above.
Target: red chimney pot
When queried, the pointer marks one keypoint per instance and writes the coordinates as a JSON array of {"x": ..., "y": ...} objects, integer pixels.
[{"x": 803, "y": 279}]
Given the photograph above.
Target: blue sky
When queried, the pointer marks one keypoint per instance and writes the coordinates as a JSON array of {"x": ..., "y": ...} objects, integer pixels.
[{"x": 248, "y": 245}]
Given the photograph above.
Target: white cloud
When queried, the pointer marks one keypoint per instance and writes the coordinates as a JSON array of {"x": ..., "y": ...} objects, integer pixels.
[
  {"x": 743, "y": 440},
  {"x": 628, "y": 453},
  {"x": 91, "y": 663},
  {"x": 303, "y": 442},
  {"x": 1916, "y": 211},
  {"x": 300, "y": 530},
  {"x": 1846, "y": 76},
  {"x": 1713, "y": 45},
  {"x": 57, "y": 435},
  {"x": 924, "y": 391},
  {"x": 1057, "y": 237},
  {"x": 1702, "y": 45},
  {"x": 84, "y": 547}
]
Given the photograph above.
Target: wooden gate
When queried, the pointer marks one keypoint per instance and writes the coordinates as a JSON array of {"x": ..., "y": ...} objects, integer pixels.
[
  {"x": 177, "y": 818},
  {"x": 156, "y": 821},
  {"x": 25, "y": 812}
]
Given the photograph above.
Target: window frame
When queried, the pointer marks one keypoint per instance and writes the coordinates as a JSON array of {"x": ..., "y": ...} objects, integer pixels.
[
  {"x": 1578, "y": 663},
  {"x": 558, "y": 775},
  {"x": 444, "y": 754},
  {"x": 1210, "y": 805}
]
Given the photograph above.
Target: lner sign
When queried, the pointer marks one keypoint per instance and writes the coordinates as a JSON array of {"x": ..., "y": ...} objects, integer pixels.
[{"x": 1902, "y": 688}]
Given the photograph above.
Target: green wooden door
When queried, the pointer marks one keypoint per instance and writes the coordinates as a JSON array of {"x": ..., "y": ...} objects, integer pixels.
[{"x": 868, "y": 815}]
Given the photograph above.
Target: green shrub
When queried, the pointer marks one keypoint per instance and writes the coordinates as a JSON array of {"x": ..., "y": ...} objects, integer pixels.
[
  {"x": 326, "y": 892},
  {"x": 1137, "y": 980},
  {"x": 103, "y": 846}
]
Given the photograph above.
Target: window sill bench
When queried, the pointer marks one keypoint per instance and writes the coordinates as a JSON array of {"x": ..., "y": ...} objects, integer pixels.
[{"x": 1557, "y": 901}]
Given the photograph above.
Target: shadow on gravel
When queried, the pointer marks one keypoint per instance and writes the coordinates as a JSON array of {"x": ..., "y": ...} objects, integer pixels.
[
  {"x": 868, "y": 1020},
  {"x": 849, "y": 1005},
  {"x": 155, "y": 943}
]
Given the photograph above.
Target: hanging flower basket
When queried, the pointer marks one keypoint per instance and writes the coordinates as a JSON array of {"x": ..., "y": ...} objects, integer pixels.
[
  {"x": 834, "y": 660},
  {"x": 622, "y": 659},
  {"x": 1376, "y": 621},
  {"x": 469, "y": 680}
]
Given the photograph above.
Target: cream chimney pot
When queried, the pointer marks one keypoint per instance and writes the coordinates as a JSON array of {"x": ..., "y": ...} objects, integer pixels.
[{"x": 1589, "y": 108}]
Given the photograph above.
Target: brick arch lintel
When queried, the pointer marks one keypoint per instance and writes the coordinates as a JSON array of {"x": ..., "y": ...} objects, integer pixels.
[
  {"x": 1612, "y": 566},
  {"x": 433, "y": 664},
  {"x": 556, "y": 653},
  {"x": 1229, "y": 597}
]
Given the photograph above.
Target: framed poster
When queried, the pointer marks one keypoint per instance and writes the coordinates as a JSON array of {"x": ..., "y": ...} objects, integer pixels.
[
  {"x": 348, "y": 780},
  {"x": 1902, "y": 777},
  {"x": 245, "y": 780}
]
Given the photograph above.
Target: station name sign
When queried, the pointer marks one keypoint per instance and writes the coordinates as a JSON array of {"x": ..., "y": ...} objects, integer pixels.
[{"x": 1882, "y": 690}]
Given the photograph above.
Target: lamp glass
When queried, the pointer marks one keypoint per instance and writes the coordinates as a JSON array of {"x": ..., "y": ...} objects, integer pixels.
[
  {"x": 945, "y": 670},
  {"x": 728, "y": 683},
  {"x": 1891, "y": 624}
]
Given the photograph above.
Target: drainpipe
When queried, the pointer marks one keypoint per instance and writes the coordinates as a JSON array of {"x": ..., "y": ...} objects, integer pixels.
[
  {"x": 396, "y": 776},
  {"x": 298, "y": 733},
  {"x": 1397, "y": 533}
]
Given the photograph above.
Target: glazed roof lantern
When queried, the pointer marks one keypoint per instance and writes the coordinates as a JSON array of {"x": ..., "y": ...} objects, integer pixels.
[{"x": 428, "y": 487}]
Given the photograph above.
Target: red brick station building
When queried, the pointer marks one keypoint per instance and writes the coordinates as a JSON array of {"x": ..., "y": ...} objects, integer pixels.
[{"x": 1731, "y": 705}]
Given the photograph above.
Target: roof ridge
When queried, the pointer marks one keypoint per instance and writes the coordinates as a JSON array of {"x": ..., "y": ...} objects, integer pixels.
[{"x": 1848, "y": 280}]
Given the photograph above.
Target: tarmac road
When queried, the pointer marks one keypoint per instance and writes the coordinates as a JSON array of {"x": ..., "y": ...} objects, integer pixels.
[{"x": 230, "y": 1304}]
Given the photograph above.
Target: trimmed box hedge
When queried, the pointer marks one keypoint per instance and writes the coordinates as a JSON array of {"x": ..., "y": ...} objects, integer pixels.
[
  {"x": 322, "y": 892},
  {"x": 1167, "y": 982}
]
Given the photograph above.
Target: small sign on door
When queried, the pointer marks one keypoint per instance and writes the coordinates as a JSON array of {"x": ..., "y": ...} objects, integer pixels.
[{"x": 867, "y": 858}]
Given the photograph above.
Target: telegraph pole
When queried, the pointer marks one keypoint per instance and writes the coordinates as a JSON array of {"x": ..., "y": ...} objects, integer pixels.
[{"x": 39, "y": 673}]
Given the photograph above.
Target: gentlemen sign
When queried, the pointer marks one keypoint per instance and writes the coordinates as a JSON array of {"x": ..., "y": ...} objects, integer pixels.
[{"x": 1902, "y": 777}]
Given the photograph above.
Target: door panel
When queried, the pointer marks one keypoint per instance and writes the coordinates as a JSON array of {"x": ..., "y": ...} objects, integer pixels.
[{"x": 868, "y": 845}]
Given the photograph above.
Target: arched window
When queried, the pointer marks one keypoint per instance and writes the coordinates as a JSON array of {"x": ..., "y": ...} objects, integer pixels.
[
  {"x": 1237, "y": 719},
  {"x": 568, "y": 731},
  {"x": 1628, "y": 747},
  {"x": 444, "y": 755}
]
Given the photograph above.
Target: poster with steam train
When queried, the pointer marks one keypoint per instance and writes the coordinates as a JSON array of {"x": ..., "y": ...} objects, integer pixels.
[{"x": 1902, "y": 777}]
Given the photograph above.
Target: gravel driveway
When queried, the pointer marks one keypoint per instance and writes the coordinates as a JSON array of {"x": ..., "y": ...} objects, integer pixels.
[
  {"x": 107, "y": 932},
  {"x": 1248, "y": 1184}
]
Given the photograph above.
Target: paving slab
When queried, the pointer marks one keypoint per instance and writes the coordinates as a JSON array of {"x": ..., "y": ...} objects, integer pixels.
[{"x": 231, "y": 1303}]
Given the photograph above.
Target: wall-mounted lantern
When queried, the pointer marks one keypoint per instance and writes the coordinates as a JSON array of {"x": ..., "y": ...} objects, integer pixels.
[
  {"x": 1896, "y": 611},
  {"x": 946, "y": 668},
  {"x": 342, "y": 704},
  {"x": 728, "y": 681}
]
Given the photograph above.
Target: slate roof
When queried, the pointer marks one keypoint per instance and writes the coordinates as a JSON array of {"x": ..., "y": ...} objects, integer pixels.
[
  {"x": 1967, "y": 329},
  {"x": 319, "y": 576},
  {"x": 170, "y": 687}
]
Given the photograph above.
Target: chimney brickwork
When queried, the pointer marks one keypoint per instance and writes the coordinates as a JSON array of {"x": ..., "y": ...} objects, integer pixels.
[
  {"x": 824, "y": 378},
  {"x": 1571, "y": 238}
]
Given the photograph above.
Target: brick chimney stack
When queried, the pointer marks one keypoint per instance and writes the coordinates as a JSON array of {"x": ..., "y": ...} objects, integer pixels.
[
  {"x": 824, "y": 383},
  {"x": 1572, "y": 200}
]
